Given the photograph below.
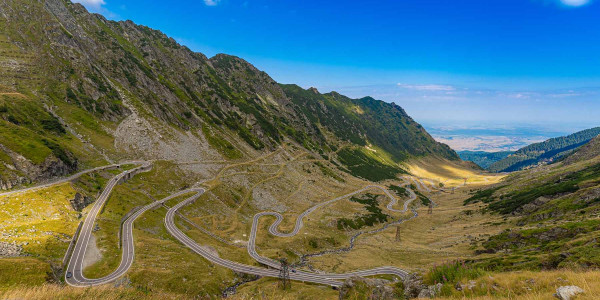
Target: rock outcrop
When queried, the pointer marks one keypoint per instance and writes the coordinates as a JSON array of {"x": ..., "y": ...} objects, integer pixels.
[
  {"x": 79, "y": 202},
  {"x": 568, "y": 292},
  {"x": 10, "y": 249},
  {"x": 366, "y": 288}
]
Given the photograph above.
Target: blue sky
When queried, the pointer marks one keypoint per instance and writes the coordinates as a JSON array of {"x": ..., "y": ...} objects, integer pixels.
[{"x": 496, "y": 61}]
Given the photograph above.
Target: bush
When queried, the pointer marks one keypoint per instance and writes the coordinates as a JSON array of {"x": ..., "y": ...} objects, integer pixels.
[
  {"x": 452, "y": 272},
  {"x": 52, "y": 124},
  {"x": 60, "y": 153},
  {"x": 13, "y": 120},
  {"x": 375, "y": 215},
  {"x": 400, "y": 191}
]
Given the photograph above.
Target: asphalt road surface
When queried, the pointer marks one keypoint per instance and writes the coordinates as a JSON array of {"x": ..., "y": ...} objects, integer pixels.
[
  {"x": 299, "y": 224},
  {"x": 74, "y": 273}
]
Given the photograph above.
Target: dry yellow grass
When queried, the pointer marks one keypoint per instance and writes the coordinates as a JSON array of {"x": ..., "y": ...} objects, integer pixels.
[
  {"x": 450, "y": 173},
  {"x": 268, "y": 288},
  {"x": 528, "y": 285},
  {"x": 445, "y": 235},
  {"x": 51, "y": 292},
  {"x": 41, "y": 220}
]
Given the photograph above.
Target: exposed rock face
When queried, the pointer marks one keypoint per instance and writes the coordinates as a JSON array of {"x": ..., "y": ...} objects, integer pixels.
[
  {"x": 415, "y": 288},
  {"x": 9, "y": 183},
  {"x": 430, "y": 291},
  {"x": 366, "y": 288},
  {"x": 568, "y": 292},
  {"x": 413, "y": 285},
  {"x": 23, "y": 171},
  {"x": 79, "y": 202},
  {"x": 10, "y": 249}
]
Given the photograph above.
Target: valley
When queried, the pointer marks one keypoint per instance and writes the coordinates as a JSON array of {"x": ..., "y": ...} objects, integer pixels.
[{"x": 133, "y": 167}]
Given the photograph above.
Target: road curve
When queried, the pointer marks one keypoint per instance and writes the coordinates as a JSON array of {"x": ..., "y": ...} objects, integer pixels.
[
  {"x": 75, "y": 268},
  {"x": 238, "y": 267},
  {"x": 273, "y": 229}
]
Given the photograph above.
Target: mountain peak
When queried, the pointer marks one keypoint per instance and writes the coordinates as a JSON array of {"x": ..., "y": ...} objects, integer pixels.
[{"x": 314, "y": 90}]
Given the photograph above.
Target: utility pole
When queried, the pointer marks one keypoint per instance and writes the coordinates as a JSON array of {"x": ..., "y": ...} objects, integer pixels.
[
  {"x": 284, "y": 274},
  {"x": 430, "y": 208},
  {"x": 397, "y": 233}
]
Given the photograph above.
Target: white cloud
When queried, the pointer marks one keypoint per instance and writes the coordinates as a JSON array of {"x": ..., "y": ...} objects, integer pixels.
[
  {"x": 575, "y": 2},
  {"x": 427, "y": 87},
  {"x": 91, "y": 4},
  {"x": 211, "y": 2}
]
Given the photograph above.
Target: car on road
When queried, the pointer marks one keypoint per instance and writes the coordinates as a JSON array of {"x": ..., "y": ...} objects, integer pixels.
[
  {"x": 293, "y": 271},
  {"x": 69, "y": 274}
]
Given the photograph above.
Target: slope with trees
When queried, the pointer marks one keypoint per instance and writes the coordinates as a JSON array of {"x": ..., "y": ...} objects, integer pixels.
[{"x": 545, "y": 152}]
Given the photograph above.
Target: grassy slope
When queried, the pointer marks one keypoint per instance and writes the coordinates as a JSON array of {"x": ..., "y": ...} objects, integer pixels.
[{"x": 555, "y": 210}]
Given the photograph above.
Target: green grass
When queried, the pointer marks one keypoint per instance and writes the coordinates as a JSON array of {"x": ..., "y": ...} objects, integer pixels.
[
  {"x": 31, "y": 272},
  {"x": 375, "y": 215},
  {"x": 570, "y": 245},
  {"x": 365, "y": 166},
  {"x": 400, "y": 191},
  {"x": 550, "y": 187},
  {"x": 328, "y": 172},
  {"x": 223, "y": 146},
  {"x": 451, "y": 273},
  {"x": 30, "y": 216},
  {"x": 485, "y": 195}
]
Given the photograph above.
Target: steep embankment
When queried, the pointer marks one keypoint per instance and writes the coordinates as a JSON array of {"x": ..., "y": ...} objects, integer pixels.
[
  {"x": 545, "y": 152},
  {"x": 100, "y": 90}
]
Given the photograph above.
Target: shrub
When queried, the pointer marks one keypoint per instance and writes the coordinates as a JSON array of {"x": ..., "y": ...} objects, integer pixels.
[
  {"x": 375, "y": 215},
  {"x": 52, "y": 124},
  {"x": 13, "y": 120},
  {"x": 452, "y": 272},
  {"x": 60, "y": 153}
]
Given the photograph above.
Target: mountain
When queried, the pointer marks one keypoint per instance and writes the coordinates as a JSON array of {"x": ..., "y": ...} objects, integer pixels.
[
  {"x": 553, "y": 207},
  {"x": 545, "y": 152},
  {"x": 586, "y": 152},
  {"x": 482, "y": 158},
  {"x": 79, "y": 90}
]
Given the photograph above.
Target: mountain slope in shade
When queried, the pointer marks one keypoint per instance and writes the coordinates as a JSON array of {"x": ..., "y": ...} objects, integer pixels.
[
  {"x": 482, "y": 158},
  {"x": 545, "y": 152}
]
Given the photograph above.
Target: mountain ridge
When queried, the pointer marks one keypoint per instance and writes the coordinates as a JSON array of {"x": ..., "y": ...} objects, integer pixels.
[
  {"x": 544, "y": 152},
  {"x": 129, "y": 91}
]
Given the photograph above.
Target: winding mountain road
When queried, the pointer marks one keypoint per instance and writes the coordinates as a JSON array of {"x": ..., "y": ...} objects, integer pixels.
[
  {"x": 74, "y": 275},
  {"x": 273, "y": 229},
  {"x": 74, "y": 272}
]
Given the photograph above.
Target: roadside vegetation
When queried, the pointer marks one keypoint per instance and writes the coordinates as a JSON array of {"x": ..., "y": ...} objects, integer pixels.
[
  {"x": 451, "y": 273},
  {"x": 530, "y": 285}
]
